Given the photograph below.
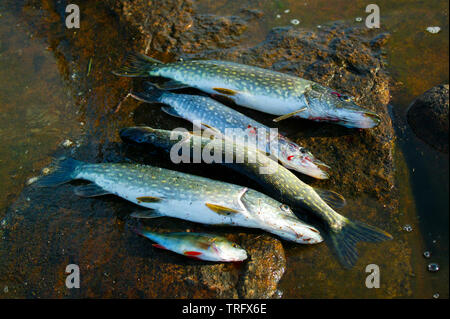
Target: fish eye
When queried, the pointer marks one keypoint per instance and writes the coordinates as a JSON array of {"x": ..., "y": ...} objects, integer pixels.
[
  {"x": 303, "y": 151},
  {"x": 234, "y": 245},
  {"x": 342, "y": 97},
  {"x": 285, "y": 207}
]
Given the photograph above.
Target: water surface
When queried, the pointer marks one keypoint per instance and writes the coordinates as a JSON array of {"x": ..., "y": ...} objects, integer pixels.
[{"x": 40, "y": 110}]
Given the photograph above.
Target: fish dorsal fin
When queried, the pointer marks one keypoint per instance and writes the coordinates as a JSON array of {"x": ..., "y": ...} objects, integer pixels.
[
  {"x": 90, "y": 190},
  {"x": 171, "y": 111},
  {"x": 335, "y": 200},
  {"x": 221, "y": 210},
  {"x": 148, "y": 199},
  {"x": 288, "y": 115},
  {"x": 146, "y": 213},
  {"x": 225, "y": 91}
]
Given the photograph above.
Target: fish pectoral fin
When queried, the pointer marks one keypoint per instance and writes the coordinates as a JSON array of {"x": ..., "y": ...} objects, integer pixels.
[
  {"x": 225, "y": 91},
  {"x": 240, "y": 198},
  {"x": 288, "y": 115},
  {"x": 335, "y": 200},
  {"x": 90, "y": 190},
  {"x": 148, "y": 199},
  {"x": 171, "y": 111},
  {"x": 222, "y": 210},
  {"x": 171, "y": 85},
  {"x": 146, "y": 213}
]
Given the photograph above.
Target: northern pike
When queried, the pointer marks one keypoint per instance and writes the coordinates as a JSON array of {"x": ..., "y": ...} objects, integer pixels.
[
  {"x": 255, "y": 88},
  {"x": 219, "y": 118},
  {"x": 193, "y": 198},
  {"x": 196, "y": 245},
  {"x": 279, "y": 182}
]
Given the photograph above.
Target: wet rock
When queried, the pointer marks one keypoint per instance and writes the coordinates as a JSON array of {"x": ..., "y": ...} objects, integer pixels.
[
  {"x": 380, "y": 40},
  {"x": 428, "y": 117},
  {"x": 260, "y": 279},
  {"x": 55, "y": 228},
  {"x": 168, "y": 28}
]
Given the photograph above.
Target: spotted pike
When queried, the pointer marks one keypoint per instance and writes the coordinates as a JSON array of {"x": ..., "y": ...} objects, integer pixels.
[
  {"x": 279, "y": 182},
  {"x": 256, "y": 88},
  {"x": 222, "y": 119},
  {"x": 196, "y": 245},
  {"x": 174, "y": 194}
]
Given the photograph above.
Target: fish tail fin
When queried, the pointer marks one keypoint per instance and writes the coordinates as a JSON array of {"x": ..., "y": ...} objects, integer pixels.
[
  {"x": 64, "y": 172},
  {"x": 150, "y": 94},
  {"x": 344, "y": 240},
  {"x": 137, "y": 65}
]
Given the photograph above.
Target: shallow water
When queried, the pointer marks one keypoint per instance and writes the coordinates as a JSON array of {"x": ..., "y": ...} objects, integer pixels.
[
  {"x": 417, "y": 60},
  {"x": 40, "y": 110}
]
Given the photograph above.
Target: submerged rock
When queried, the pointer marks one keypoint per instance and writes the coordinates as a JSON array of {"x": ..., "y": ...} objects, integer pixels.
[
  {"x": 428, "y": 117},
  {"x": 55, "y": 228}
]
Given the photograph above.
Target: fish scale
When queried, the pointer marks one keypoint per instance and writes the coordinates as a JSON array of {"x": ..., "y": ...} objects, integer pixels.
[
  {"x": 196, "y": 245},
  {"x": 208, "y": 113},
  {"x": 279, "y": 183},
  {"x": 260, "y": 89},
  {"x": 174, "y": 194},
  {"x": 234, "y": 76}
]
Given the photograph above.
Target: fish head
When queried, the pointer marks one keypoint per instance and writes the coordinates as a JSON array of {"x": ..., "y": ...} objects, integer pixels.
[
  {"x": 137, "y": 134},
  {"x": 227, "y": 250},
  {"x": 145, "y": 135},
  {"x": 278, "y": 218},
  {"x": 330, "y": 106},
  {"x": 301, "y": 160},
  {"x": 297, "y": 231}
]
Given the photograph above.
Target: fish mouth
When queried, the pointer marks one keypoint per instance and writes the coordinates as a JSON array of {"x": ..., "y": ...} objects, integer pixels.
[
  {"x": 238, "y": 256},
  {"x": 369, "y": 120},
  {"x": 351, "y": 119},
  {"x": 307, "y": 235},
  {"x": 242, "y": 256},
  {"x": 362, "y": 120},
  {"x": 135, "y": 135},
  {"x": 307, "y": 165}
]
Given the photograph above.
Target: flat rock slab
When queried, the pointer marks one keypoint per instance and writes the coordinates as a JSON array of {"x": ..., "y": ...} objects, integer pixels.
[{"x": 47, "y": 229}]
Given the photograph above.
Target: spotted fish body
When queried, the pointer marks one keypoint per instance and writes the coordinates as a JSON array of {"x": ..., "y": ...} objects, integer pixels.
[
  {"x": 193, "y": 198},
  {"x": 256, "y": 88},
  {"x": 224, "y": 120},
  {"x": 197, "y": 245},
  {"x": 279, "y": 182}
]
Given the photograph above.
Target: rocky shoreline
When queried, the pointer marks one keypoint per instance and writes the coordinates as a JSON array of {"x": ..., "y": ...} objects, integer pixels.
[{"x": 46, "y": 229}]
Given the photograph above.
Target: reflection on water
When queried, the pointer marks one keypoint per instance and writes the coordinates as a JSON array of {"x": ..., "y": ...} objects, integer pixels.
[
  {"x": 417, "y": 61},
  {"x": 39, "y": 111}
]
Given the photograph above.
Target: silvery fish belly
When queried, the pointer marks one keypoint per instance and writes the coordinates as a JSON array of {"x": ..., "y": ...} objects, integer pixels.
[
  {"x": 225, "y": 121},
  {"x": 256, "y": 88},
  {"x": 193, "y": 198},
  {"x": 196, "y": 245}
]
